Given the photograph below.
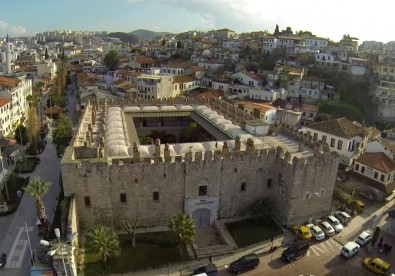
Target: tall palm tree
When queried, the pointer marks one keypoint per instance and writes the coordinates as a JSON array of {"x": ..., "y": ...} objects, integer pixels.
[
  {"x": 37, "y": 188},
  {"x": 184, "y": 228},
  {"x": 105, "y": 241}
]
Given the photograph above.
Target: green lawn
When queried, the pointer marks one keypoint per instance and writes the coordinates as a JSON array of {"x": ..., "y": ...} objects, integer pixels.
[
  {"x": 152, "y": 250},
  {"x": 250, "y": 231}
]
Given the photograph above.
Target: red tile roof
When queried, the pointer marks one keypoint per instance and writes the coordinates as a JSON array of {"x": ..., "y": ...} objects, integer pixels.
[
  {"x": 9, "y": 82},
  {"x": 144, "y": 60},
  {"x": 4, "y": 101},
  {"x": 377, "y": 160},
  {"x": 183, "y": 79},
  {"x": 338, "y": 127}
]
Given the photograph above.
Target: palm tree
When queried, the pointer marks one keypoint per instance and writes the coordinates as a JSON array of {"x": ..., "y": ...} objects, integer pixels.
[
  {"x": 184, "y": 228},
  {"x": 105, "y": 241},
  {"x": 37, "y": 188}
]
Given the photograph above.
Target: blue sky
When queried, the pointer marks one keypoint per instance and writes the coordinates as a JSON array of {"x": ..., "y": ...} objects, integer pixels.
[{"x": 329, "y": 19}]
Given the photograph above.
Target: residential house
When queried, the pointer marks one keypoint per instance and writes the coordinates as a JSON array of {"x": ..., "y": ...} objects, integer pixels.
[
  {"x": 384, "y": 91},
  {"x": 316, "y": 43},
  {"x": 16, "y": 91},
  {"x": 355, "y": 66},
  {"x": 47, "y": 68},
  {"x": 182, "y": 84},
  {"x": 211, "y": 65},
  {"x": 267, "y": 94},
  {"x": 221, "y": 84},
  {"x": 378, "y": 171},
  {"x": 248, "y": 78},
  {"x": 225, "y": 34},
  {"x": 347, "y": 139},
  {"x": 196, "y": 71},
  {"x": 128, "y": 75},
  {"x": 5, "y": 117},
  {"x": 155, "y": 86},
  {"x": 382, "y": 145},
  {"x": 238, "y": 91},
  {"x": 141, "y": 63},
  {"x": 326, "y": 61},
  {"x": 174, "y": 68}
]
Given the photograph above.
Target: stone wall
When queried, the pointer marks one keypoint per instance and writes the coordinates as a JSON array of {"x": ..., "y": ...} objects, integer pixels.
[{"x": 176, "y": 182}]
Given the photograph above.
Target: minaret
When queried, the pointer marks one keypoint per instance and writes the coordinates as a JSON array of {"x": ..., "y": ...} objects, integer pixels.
[{"x": 8, "y": 56}]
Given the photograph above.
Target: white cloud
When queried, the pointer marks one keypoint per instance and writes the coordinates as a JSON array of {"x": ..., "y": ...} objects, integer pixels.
[
  {"x": 12, "y": 30},
  {"x": 133, "y": 1},
  {"x": 17, "y": 30}
]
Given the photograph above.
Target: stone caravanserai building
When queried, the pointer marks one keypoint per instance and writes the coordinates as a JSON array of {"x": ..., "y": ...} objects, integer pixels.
[{"x": 113, "y": 178}]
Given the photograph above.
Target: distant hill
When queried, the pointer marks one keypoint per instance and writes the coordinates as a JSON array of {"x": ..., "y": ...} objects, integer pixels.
[
  {"x": 125, "y": 37},
  {"x": 147, "y": 34}
]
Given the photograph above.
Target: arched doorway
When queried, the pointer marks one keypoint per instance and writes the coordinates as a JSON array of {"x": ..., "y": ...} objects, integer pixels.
[{"x": 201, "y": 217}]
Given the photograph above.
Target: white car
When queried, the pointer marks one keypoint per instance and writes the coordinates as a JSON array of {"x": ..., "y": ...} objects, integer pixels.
[
  {"x": 364, "y": 238},
  {"x": 327, "y": 228},
  {"x": 350, "y": 249},
  {"x": 335, "y": 223},
  {"x": 316, "y": 231}
]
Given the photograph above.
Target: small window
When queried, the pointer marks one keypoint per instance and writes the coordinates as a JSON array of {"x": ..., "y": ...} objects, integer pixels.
[
  {"x": 339, "y": 144},
  {"x": 376, "y": 174},
  {"x": 322, "y": 192},
  {"x": 243, "y": 186},
  {"x": 307, "y": 196},
  {"x": 122, "y": 197},
  {"x": 362, "y": 169},
  {"x": 87, "y": 200},
  {"x": 333, "y": 142},
  {"x": 315, "y": 134},
  {"x": 269, "y": 183},
  {"x": 323, "y": 138},
  {"x": 357, "y": 167},
  {"x": 203, "y": 190},
  {"x": 155, "y": 196},
  {"x": 382, "y": 177}
]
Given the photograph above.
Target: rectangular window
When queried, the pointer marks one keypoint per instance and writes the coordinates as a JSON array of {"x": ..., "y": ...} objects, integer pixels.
[
  {"x": 382, "y": 177},
  {"x": 269, "y": 183},
  {"x": 87, "y": 201},
  {"x": 362, "y": 169},
  {"x": 339, "y": 144},
  {"x": 324, "y": 138},
  {"x": 333, "y": 141},
  {"x": 122, "y": 197},
  {"x": 203, "y": 190},
  {"x": 357, "y": 167},
  {"x": 243, "y": 186},
  {"x": 376, "y": 174},
  {"x": 155, "y": 196}
]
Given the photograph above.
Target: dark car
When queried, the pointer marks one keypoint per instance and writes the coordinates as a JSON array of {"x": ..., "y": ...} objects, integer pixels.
[
  {"x": 245, "y": 263},
  {"x": 295, "y": 251},
  {"x": 210, "y": 270}
]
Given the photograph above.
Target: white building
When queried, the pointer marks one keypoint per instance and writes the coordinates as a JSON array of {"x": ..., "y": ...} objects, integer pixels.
[
  {"x": 154, "y": 86},
  {"x": 5, "y": 117},
  {"x": 15, "y": 90},
  {"x": 316, "y": 43},
  {"x": 267, "y": 94},
  {"x": 342, "y": 136},
  {"x": 249, "y": 79},
  {"x": 47, "y": 68}
]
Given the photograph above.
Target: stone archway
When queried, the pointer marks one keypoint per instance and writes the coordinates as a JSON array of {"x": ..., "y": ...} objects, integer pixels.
[{"x": 201, "y": 217}]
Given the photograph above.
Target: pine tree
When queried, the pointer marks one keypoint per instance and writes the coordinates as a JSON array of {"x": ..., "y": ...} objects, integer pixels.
[{"x": 277, "y": 30}]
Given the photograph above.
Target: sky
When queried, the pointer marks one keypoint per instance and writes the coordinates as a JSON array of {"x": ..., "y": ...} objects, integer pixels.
[{"x": 329, "y": 19}]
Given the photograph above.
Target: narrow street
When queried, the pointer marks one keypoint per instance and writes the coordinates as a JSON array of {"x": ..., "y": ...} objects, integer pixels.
[{"x": 13, "y": 239}]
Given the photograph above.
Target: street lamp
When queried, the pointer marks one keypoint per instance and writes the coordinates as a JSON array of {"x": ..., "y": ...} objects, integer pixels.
[{"x": 57, "y": 234}]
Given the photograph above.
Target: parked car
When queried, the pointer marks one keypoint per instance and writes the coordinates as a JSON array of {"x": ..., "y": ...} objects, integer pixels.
[
  {"x": 302, "y": 232},
  {"x": 335, "y": 223},
  {"x": 350, "y": 249},
  {"x": 364, "y": 238},
  {"x": 209, "y": 270},
  {"x": 316, "y": 231},
  {"x": 245, "y": 263},
  {"x": 343, "y": 217},
  {"x": 327, "y": 228},
  {"x": 367, "y": 195},
  {"x": 376, "y": 265},
  {"x": 295, "y": 251},
  {"x": 357, "y": 205}
]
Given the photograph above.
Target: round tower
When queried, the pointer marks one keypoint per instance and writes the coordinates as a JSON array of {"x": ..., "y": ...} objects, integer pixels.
[{"x": 8, "y": 56}]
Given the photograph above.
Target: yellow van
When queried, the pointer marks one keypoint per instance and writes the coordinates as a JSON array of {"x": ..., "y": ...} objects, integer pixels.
[
  {"x": 376, "y": 265},
  {"x": 357, "y": 205}
]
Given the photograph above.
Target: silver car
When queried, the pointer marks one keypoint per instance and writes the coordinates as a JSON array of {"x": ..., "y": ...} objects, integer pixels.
[
  {"x": 316, "y": 231},
  {"x": 335, "y": 223},
  {"x": 327, "y": 228}
]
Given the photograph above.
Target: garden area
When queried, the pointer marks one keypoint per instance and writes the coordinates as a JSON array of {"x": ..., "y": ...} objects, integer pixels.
[
  {"x": 249, "y": 231},
  {"x": 26, "y": 165},
  {"x": 153, "y": 250},
  {"x": 11, "y": 194}
]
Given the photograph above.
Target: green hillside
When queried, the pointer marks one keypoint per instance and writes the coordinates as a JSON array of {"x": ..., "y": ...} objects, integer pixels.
[
  {"x": 125, "y": 37},
  {"x": 147, "y": 34}
]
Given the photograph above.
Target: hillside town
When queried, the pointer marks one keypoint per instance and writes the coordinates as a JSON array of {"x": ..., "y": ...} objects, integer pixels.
[{"x": 216, "y": 130}]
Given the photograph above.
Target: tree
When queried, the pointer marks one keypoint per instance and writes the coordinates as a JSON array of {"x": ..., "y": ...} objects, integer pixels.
[
  {"x": 163, "y": 42},
  {"x": 252, "y": 66},
  {"x": 191, "y": 132},
  {"x": 62, "y": 133},
  {"x": 277, "y": 30},
  {"x": 184, "y": 228},
  {"x": 260, "y": 208},
  {"x": 178, "y": 45},
  {"x": 288, "y": 31},
  {"x": 46, "y": 53},
  {"x": 111, "y": 60},
  {"x": 37, "y": 188},
  {"x": 376, "y": 235},
  {"x": 21, "y": 135},
  {"x": 33, "y": 122},
  {"x": 131, "y": 230},
  {"x": 105, "y": 241}
]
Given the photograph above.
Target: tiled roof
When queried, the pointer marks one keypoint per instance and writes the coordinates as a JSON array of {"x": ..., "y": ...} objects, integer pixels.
[
  {"x": 9, "y": 82},
  {"x": 387, "y": 144},
  {"x": 144, "y": 60},
  {"x": 373, "y": 132},
  {"x": 210, "y": 94},
  {"x": 338, "y": 127},
  {"x": 310, "y": 78},
  {"x": 128, "y": 73},
  {"x": 176, "y": 65},
  {"x": 4, "y": 101},
  {"x": 309, "y": 107},
  {"x": 377, "y": 160},
  {"x": 197, "y": 68},
  {"x": 252, "y": 75},
  {"x": 183, "y": 79}
]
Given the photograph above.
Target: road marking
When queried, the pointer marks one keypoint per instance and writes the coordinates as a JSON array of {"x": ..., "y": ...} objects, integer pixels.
[
  {"x": 18, "y": 249},
  {"x": 330, "y": 246},
  {"x": 316, "y": 248}
]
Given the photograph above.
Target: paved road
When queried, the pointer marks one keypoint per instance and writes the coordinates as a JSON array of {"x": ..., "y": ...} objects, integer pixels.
[{"x": 13, "y": 238}]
